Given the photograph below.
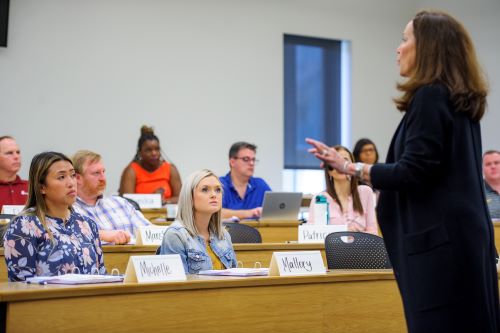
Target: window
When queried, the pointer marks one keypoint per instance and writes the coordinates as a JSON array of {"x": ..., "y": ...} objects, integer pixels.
[{"x": 317, "y": 96}]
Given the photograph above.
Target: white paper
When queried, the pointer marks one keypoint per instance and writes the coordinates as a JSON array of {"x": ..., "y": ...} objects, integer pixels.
[
  {"x": 74, "y": 279},
  {"x": 236, "y": 272},
  {"x": 145, "y": 200},
  {"x": 297, "y": 263},
  {"x": 154, "y": 268},
  {"x": 149, "y": 235},
  {"x": 12, "y": 209},
  {"x": 317, "y": 233}
]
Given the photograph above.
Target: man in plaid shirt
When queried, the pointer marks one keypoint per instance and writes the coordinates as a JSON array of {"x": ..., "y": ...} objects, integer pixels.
[{"x": 116, "y": 218}]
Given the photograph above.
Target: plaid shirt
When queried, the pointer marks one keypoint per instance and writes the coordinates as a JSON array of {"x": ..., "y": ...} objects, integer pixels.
[
  {"x": 493, "y": 201},
  {"x": 112, "y": 213}
]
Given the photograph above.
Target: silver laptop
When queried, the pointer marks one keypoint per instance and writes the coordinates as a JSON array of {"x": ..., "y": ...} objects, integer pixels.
[{"x": 281, "y": 206}]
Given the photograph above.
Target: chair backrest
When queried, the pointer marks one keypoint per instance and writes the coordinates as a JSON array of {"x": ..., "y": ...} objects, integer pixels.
[
  {"x": 133, "y": 203},
  {"x": 356, "y": 250},
  {"x": 241, "y": 233}
]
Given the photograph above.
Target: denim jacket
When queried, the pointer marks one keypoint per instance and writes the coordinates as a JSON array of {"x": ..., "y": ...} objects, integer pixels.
[{"x": 192, "y": 250}]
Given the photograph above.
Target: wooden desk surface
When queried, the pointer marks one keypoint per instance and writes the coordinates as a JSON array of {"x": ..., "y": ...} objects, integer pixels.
[
  {"x": 116, "y": 256},
  {"x": 337, "y": 302},
  {"x": 271, "y": 231}
]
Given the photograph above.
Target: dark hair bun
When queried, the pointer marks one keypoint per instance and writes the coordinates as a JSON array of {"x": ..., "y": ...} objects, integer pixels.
[{"x": 147, "y": 130}]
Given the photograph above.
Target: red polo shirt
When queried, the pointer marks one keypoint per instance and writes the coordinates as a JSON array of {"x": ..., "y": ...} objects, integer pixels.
[{"x": 13, "y": 193}]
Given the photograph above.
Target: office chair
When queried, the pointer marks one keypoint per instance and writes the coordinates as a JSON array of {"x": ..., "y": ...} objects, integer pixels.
[
  {"x": 355, "y": 250},
  {"x": 241, "y": 233}
]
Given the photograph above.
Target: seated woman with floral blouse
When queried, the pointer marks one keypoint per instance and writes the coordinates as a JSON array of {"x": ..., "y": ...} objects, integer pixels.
[{"x": 48, "y": 237}]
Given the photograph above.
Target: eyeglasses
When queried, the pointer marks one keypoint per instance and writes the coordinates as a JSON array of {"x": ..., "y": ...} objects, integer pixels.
[{"x": 247, "y": 159}]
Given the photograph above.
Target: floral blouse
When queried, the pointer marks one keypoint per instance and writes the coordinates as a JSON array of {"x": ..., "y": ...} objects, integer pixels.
[{"x": 29, "y": 251}]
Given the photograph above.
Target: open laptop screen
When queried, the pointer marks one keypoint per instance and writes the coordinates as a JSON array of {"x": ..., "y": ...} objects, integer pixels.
[{"x": 281, "y": 206}]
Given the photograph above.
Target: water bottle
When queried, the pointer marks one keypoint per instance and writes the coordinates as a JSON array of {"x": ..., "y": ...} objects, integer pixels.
[{"x": 321, "y": 211}]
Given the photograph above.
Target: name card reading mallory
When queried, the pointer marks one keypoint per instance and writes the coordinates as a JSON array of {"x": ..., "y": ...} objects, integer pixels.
[
  {"x": 160, "y": 268},
  {"x": 145, "y": 200},
  {"x": 318, "y": 233},
  {"x": 296, "y": 263},
  {"x": 12, "y": 209},
  {"x": 149, "y": 235}
]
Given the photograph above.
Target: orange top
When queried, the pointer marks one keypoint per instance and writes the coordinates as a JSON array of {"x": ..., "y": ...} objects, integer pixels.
[{"x": 148, "y": 182}]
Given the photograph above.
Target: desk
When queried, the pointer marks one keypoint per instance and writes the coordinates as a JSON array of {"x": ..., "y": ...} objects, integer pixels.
[
  {"x": 116, "y": 256},
  {"x": 271, "y": 231},
  {"x": 496, "y": 229},
  {"x": 337, "y": 302},
  {"x": 154, "y": 213}
]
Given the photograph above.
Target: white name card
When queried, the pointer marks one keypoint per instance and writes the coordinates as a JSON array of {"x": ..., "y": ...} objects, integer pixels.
[
  {"x": 145, "y": 200},
  {"x": 318, "y": 233},
  {"x": 149, "y": 235},
  {"x": 12, "y": 209},
  {"x": 160, "y": 268},
  {"x": 296, "y": 263}
]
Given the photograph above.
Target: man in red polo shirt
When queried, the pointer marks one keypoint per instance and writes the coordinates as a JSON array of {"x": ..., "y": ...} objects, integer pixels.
[{"x": 13, "y": 190}]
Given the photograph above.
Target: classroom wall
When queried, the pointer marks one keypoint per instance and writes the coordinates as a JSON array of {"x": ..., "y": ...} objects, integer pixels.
[{"x": 204, "y": 73}]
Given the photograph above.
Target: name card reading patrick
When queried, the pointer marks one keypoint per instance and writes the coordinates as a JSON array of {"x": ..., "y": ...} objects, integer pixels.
[
  {"x": 145, "y": 200},
  {"x": 149, "y": 235},
  {"x": 12, "y": 209},
  {"x": 159, "y": 268},
  {"x": 318, "y": 233},
  {"x": 296, "y": 263}
]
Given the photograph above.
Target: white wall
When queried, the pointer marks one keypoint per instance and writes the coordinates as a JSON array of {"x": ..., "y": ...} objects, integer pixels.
[
  {"x": 482, "y": 20},
  {"x": 88, "y": 74}
]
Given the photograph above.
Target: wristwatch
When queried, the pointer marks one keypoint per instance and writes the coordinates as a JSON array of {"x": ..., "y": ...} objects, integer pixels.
[{"x": 359, "y": 170}]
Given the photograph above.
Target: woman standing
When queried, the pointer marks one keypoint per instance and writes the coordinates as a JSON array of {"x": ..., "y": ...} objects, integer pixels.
[
  {"x": 432, "y": 209},
  {"x": 198, "y": 235},
  {"x": 49, "y": 237},
  {"x": 349, "y": 203}
]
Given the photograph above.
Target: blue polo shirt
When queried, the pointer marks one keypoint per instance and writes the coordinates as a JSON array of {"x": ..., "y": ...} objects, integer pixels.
[{"x": 254, "y": 195}]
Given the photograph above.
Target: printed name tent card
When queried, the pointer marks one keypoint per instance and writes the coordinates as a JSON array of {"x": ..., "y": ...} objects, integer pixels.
[
  {"x": 318, "y": 233},
  {"x": 149, "y": 235},
  {"x": 159, "y": 268},
  {"x": 296, "y": 263},
  {"x": 145, "y": 200},
  {"x": 12, "y": 209}
]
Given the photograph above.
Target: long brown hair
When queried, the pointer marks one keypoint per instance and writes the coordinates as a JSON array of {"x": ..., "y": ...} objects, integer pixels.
[
  {"x": 330, "y": 186},
  {"x": 445, "y": 55},
  {"x": 39, "y": 169}
]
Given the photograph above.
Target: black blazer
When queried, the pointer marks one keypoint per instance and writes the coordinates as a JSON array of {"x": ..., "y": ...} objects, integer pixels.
[{"x": 433, "y": 215}]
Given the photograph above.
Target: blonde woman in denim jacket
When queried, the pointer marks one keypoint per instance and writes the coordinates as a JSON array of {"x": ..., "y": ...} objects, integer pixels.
[{"x": 197, "y": 234}]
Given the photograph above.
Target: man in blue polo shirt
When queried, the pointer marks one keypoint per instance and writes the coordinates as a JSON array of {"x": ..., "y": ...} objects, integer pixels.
[{"x": 243, "y": 193}]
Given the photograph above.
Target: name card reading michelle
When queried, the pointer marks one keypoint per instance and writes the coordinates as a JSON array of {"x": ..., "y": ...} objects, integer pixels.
[
  {"x": 145, "y": 200},
  {"x": 318, "y": 233},
  {"x": 160, "y": 268},
  {"x": 149, "y": 235},
  {"x": 297, "y": 263},
  {"x": 12, "y": 209}
]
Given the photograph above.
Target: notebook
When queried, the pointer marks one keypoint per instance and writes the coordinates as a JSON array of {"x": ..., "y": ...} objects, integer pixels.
[{"x": 281, "y": 206}]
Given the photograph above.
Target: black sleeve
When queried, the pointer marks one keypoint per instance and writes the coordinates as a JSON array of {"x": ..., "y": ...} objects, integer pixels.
[{"x": 428, "y": 123}]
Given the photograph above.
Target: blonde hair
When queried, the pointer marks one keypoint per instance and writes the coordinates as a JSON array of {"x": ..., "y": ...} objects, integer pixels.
[
  {"x": 185, "y": 212},
  {"x": 83, "y": 156},
  {"x": 39, "y": 169}
]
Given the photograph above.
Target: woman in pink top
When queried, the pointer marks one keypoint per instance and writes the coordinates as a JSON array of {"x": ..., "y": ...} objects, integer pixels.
[{"x": 348, "y": 202}]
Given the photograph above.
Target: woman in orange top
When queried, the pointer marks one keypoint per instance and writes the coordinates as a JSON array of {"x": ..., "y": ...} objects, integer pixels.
[{"x": 149, "y": 172}]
